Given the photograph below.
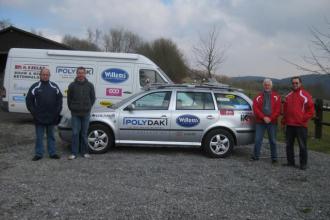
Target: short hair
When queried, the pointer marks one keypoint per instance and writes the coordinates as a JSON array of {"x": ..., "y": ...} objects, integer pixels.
[
  {"x": 267, "y": 80},
  {"x": 42, "y": 69},
  {"x": 81, "y": 68},
  {"x": 296, "y": 77}
]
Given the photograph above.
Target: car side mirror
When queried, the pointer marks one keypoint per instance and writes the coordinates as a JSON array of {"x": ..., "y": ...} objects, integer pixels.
[{"x": 130, "y": 107}]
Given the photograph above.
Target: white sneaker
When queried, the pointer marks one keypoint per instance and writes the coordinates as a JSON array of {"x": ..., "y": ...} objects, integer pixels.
[
  {"x": 87, "y": 156},
  {"x": 72, "y": 157}
]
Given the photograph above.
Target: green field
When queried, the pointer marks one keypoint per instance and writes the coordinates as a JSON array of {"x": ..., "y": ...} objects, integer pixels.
[{"x": 321, "y": 145}]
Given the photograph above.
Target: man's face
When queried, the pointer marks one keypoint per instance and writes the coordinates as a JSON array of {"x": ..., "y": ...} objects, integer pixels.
[
  {"x": 81, "y": 74},
  {"x": 296, "y": 84},
  {"x": 44, "y": 75},
  {"x": 267, "y": 86}
]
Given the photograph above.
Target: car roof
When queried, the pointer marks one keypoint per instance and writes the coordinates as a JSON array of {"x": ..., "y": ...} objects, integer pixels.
[{"x": 203, "y": 87}]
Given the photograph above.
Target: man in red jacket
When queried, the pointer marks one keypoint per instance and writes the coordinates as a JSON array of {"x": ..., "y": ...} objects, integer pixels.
[
  {"x": 298, "y": 109},
  {"x": 266, "y": 108}
]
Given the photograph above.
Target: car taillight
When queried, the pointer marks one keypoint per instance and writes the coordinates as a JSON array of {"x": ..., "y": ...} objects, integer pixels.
[{"x": 2, "y": 92}]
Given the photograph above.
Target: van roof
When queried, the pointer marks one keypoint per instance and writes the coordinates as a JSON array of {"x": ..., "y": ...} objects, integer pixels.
[{"x": 38, "y": 53}]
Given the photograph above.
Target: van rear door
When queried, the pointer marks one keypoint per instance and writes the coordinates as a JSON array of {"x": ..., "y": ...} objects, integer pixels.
[{"x": 21, "y": 75}]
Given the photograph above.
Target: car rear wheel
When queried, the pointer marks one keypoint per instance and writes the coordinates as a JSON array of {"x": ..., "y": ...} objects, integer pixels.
[
  {"x": 100, "y": 139},
  {"x": 218, "y": 143}
]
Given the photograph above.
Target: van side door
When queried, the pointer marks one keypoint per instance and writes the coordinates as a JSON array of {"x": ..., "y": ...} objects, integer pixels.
[{"x": 114, "y": 82}]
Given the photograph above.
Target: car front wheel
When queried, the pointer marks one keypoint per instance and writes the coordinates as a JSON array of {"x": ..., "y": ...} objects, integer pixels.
[
  {"x": 218, "y": 143},
  {"x": 100, "y": 139}
]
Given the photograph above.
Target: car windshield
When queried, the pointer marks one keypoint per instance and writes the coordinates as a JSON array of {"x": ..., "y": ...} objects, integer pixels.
[{"x": 122, "y": 102}]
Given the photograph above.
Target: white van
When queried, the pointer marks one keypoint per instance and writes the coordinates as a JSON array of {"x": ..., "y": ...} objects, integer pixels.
[{"x": 115, "y": 75}]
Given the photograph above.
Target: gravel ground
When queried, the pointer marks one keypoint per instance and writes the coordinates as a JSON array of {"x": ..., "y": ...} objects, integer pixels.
[{"x": 154, "y": 183}]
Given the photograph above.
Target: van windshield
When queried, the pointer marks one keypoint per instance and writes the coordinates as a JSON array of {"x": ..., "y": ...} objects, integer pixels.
[{"x": 164, "y": 75}]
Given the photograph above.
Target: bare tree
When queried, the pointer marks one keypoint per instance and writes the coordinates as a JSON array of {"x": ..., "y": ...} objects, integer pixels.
[
  {"x": 93, "y": 36},
  {"x": 208, "y": 54},
  {"x": 167, "y": 56},
  {"x": 319, "y": 53},
  {"x": 79, "y": 44},
  {"x": 4, "y": 23},
  {"x": 120, "y": 40}
]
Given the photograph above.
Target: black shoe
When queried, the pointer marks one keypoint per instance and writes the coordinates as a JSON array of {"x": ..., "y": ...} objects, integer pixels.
[
  {"x": 254, "y": 158},
  {"x": 36, "y": 157},
  {"x": 303, "y": 167},
  {"x": 274, "y": 162},
  {"x": 54, "y": 156}
]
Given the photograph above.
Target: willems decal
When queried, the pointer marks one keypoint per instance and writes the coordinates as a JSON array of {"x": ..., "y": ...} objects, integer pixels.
[
  {"x": 114, "y": 75},
  {"x": 187, "y": 120}
]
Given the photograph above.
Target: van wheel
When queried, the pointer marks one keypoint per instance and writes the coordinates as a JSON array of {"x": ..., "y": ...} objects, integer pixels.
[
  {"x": 218, "y": 143},
  {"x": 100, "y": 139}
]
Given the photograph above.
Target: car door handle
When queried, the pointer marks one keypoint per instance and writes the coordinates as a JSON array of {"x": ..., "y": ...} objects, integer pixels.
[
  {"x": 163, "y": 116},
  {"x": 127, "y": 92},
  {"x": 210, "y": 117}
]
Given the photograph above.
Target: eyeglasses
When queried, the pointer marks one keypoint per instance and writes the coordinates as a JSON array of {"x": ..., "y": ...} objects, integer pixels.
[{"x": 295, "y": 83}]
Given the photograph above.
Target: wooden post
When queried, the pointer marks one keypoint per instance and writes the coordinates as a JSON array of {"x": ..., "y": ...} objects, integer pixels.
[{"x": 318, "y": 118}]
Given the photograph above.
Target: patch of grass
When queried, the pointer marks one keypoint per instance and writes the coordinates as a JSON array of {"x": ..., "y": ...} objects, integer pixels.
[{"x": 306, "y": 210}]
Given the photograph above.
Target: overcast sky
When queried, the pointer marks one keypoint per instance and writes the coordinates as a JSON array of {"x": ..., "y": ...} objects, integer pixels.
[{"x": 259, "y": 32}]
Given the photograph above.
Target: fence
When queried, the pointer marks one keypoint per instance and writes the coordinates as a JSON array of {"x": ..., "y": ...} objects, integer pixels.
[{"x": 318, "y": 120}]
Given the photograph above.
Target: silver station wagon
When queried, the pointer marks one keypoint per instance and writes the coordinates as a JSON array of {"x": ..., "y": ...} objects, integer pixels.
[{"x": 210, "y": 117}]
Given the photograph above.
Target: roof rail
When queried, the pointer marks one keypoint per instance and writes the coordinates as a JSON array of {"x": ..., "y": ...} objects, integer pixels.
[
  {"x": 77, "y": 53},
  {"x": 201, "y": 86}
]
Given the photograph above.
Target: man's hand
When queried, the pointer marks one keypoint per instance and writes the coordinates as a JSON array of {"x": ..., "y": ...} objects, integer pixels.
[{"x": 267, "y": 120}]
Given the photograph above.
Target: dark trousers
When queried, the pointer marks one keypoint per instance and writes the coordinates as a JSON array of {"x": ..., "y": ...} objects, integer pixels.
[{"x": 300, "y": 133}]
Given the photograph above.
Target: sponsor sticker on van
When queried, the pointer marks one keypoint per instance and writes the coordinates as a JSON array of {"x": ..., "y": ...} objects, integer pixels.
[
  {"x": 70, "y": 72},
  {"x": 114, "y": 92},
  {"x": 115, "y": 75},
  {"x": 28, "y": 71},
  {"x": 19, "y": 98},
  {"x": 187, "y": 120}
]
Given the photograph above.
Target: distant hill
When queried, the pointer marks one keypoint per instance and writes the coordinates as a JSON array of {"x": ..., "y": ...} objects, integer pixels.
[
  {"x": 317, "y": 83},
  {"x": 251, "y": 78}
]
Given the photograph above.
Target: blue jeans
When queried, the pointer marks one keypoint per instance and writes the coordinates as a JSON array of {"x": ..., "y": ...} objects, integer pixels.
[
  {"x": 260, "y": 131},
  {"x": 39, "y": 147},
  {"x": 79, "y": 134}
]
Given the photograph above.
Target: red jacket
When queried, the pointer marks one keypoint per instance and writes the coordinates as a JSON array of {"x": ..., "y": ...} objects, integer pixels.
[
  {"x": 298, "y": 108},
  {"x": 275, "y": 102}
]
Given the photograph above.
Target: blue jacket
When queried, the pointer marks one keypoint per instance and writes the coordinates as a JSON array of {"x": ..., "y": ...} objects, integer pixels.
[{"x": 44, "y": 101}]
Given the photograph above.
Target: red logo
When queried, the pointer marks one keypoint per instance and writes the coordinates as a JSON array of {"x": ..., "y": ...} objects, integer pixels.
[
  {"x": 226, "y": 112},
  {"x": 113, "y": 92}
]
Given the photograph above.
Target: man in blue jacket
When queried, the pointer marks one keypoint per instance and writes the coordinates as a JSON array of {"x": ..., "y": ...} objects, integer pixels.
[{"x": 44, "y": 101}]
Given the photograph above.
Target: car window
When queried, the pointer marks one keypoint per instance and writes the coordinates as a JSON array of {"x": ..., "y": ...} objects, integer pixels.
[
  {"x": 231, "y": 101},
  {"x": 153, "y": 101},
  {"x": 150, "y": 76},
  {"x": 194, "y": 101}
]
